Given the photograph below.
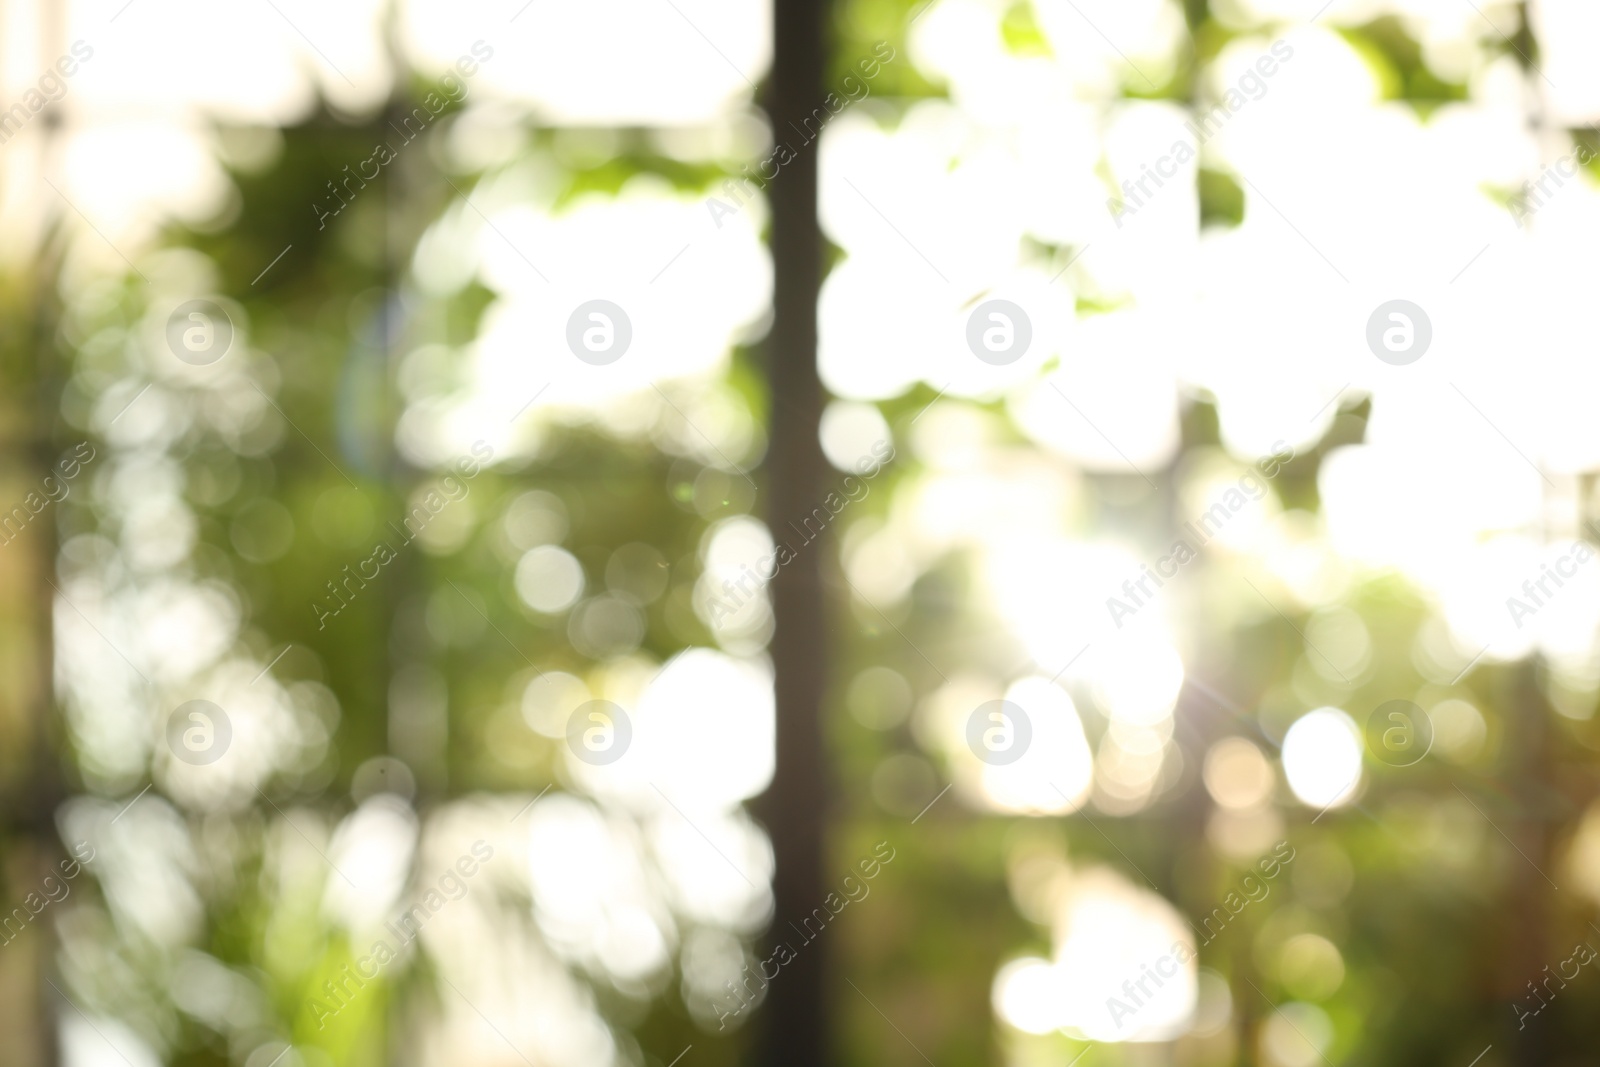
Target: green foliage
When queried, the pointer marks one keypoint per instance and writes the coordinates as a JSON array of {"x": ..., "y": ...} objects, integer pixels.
[
  {"x": 1221, "y": 198},
  {"x": 1396, "y": 60},
  {"x": 1020, "y": 30},
  {"x": 858, "y": 27}
]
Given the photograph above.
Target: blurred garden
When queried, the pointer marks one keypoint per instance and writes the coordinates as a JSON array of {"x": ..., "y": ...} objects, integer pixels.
[{"x": 684, "y": 533}]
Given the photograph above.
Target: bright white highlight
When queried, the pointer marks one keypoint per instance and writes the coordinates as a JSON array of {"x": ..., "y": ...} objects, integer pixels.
[{"x": 1322, "y": 758}]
